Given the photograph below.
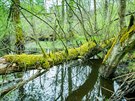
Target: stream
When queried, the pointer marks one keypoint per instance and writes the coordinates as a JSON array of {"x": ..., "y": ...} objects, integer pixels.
[{"x": 71, "y": 81}]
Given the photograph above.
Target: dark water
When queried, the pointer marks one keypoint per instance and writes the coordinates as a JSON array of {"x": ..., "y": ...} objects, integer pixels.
[{"x": 70, "y": 81}]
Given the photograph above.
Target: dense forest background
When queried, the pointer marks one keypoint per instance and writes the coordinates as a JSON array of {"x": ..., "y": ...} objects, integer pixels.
[{"x": 70, "y": 21}]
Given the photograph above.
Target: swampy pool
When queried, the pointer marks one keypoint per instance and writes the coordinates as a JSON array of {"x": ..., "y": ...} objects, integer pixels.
[{"x": 71, "y": 81}]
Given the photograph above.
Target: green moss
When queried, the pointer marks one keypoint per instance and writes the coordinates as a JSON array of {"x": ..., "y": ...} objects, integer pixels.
[
  {"x": 107, "y": 42},
  {"x": 25, "y": 60},
  {"x": 86, "y": 47},
  {"x": 72, "y": 53},
  {"x": 109, "y": 51},
  {"x": 57, "y": 57},
  {"x": 126, "y": 35},
  {"x": 46, "y": 64}
]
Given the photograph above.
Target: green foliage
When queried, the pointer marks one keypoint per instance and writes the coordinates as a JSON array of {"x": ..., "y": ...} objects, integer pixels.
[
  {"x": 106, "y": 27},
  {"x": 3, "y": 18},
  {"x": 4, "y": 28},
  {"x": 33, "y": 7}
]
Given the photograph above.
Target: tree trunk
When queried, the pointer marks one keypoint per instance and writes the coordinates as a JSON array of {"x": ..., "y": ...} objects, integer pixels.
[
  {"x": 63, "y": 14},
  {"x": 105, "y": 10},
  {"x": 124, "y": 43},
  {"x": 95, "y": 16},
  {"x": 70, "y": 17},
  {"x": 19, "y": 44},
  {"x": 122, "y": 11}
]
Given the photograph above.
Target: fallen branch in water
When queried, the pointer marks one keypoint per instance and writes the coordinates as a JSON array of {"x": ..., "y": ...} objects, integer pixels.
[
  {"x": 128, "y": 86},
  {"x": 9, "y": 81},
  {"x": 21, "y": 83}
]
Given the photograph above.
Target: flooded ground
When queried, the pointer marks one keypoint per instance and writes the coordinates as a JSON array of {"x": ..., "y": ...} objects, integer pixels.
[{"x": 71, "y": 81}]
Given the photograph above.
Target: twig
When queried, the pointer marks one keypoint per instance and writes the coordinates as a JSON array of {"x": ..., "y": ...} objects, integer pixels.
[
  {"x": 107, "y": 89},
  {"x": 9, "y": 81},
  {"x": 123, "y": 75},
  {"x": 20, "y": 84}
]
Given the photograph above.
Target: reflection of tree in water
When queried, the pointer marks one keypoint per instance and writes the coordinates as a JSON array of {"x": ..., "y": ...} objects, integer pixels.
[
  {"x": 86, "y": 87},
  {"x": 57, "y": 83},
  {"x": 71, "y": 81},
  {"x": 91, "y": 89}
]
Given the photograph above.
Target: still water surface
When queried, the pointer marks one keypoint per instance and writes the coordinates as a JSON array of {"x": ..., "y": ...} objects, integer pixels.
[{"x": 71, "y": 81}]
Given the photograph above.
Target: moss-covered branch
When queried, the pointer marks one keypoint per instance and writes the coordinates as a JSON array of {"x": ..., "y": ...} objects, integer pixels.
[{"x": 22, "y": 62}]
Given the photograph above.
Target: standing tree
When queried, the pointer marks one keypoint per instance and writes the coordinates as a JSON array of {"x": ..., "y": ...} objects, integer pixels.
[
  {"x": 122, "y": 11},
  {"x": 95, "y": 16},
  {"x": 123, "y": 43},
  {"x": 70, "y": 16},
  {"x": 15, "y": 11},
  {"x": 105, "y": 9},
  {"x": 63, "y": 13}
]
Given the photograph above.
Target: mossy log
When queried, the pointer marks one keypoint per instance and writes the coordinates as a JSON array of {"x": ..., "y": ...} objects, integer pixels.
[{"x": 23, "y": 62}]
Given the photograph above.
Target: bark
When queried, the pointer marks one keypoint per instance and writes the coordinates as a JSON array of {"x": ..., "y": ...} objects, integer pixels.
[
  {"x": 70, "y": 17},
  {"x": 19, "y": 44},
  {"x": 124, "y": 43},
  {"x": 23, "y": 62},
  {"x": 108, "y": 16},
  {"x": 122, "y": 11},
  {"x": 62, "y": 18},
  {"x": 95, "y": 16},
  {"x": 105, "y": 9},
  {"x": 63, "y": 13}
]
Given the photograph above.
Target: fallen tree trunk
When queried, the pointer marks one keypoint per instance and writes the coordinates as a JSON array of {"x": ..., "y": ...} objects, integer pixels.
[{"x": 23, "y": 62}]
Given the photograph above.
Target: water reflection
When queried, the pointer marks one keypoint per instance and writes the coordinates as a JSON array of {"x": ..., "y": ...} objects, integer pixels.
[
  {"x": 86, "y": 87},
  {"x": 70, "y": 81},
  {"x": 106, "y": 87},
  {"x": 57, "y": 83}
]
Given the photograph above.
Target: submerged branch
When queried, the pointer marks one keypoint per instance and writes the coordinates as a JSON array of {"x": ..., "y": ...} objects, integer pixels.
[{"x": 21, "y": 83}]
